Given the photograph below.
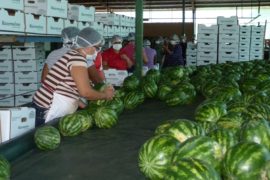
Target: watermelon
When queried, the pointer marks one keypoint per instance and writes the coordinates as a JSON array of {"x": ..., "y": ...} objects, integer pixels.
[
  {"x": 163, "y": 91},
  {"x": 105, "y": 117},
  {"x": 191, "y": 168},
  {"x": 131, "y": 83},
  {"x": 225, "y": 138},
  {"x": 133, "y": 99},
  {"x": 207, "y": 126},
  {"x": 163, "y": 127},
  {"x": 232, "y": 120},
  {"x": 116, "y": 104},
  {"x": 210, "y": 111},
  {"x": 70, "y": 125},
  {"x": 119, "y": 93},
  {"x": 47, "y": 138},
  {"x": 257, "y": 112},
  {"x": 149, "y": 88},
  {"x": 5, "y": 168},
  {"x": 226, "y": 94},
  {"x": 153, "y": 74},
  {"x": 245, "y": 160},
  {"x": 155, "y": 156},
  {"x": 183, "y": 129},
  {"x": 86, "y": 119},
  {"x": 256, "y": 131},
  {"x": 200, "y": 147}
]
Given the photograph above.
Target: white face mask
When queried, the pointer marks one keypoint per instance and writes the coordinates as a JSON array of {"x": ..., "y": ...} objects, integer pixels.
[
  {"x": 117, "y": 47},
  {"x": 90, "y": 58}
]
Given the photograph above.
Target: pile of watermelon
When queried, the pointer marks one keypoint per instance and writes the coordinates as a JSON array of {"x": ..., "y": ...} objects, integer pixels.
[{"x": 229, "y": 137}]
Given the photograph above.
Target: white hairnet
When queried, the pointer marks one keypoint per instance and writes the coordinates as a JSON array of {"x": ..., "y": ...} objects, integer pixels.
[
  {"x": 116, "y": 38},
  {"x": 88, "y": 37},
  {"x": 175, "y": 37},
  {"x": 146, "y": 42},
  {"x": 69, "y": 34},
  {"x": 131, "y": 36}
]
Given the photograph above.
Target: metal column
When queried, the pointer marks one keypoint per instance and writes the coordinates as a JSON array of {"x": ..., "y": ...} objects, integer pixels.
[
  {"x": 139, "y": 38},
  {"x": 184, "y": 16}
]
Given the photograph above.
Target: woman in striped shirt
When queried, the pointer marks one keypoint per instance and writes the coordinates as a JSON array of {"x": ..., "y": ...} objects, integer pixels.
[{"x": 68, "y": 79}]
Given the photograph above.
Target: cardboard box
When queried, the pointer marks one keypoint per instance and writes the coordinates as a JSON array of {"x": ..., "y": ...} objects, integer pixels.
[
  {"x": 25, "y": 65},
  {"x": 244, "y": 45},
  {"x": 5, "y": 53},
  {"x": 209, "y": 38},
  {"x": 205, "y": 62},
  {"x": 257, "y": 39},
  {"x": 256, "y": 45},
  {"x": 20, "y": 53},
  {"x": 6, "y": 88},
  {"x": 40, "y": 64},
  {"x": 245, "y": 28},
  {"x": 191, "y": 45},
  {"x": 256, "y": 50},
  {"x": 115, "y": 77},
  {"x": 25, "y": 77},
  {"x": 16, "y": 121},
  {"x": 7, "y": 101},
  {"x": 244, "y": 50},
  {"x": 70, "y": 23},
  {"x": 228, "y": 47},
  {"x": 6, "y": 77},
  {"x": 54, "y": 25},
  {"x": 233, "y": 20},
  {"x": 82, "y": 25},
  {"x": 191, "y": 63},
  {"x": 191, "y": 51},
  {"x": 207, "y": 46},
  {"x": 207, "y": 56},
  {"x": 12, "y": 4},
  {"x": 35, "y": 24},
  {"x": 105, "y": 31},
  {"x": 11, "y": 21},
  {"x": 243, "y": 56},
  {"x": 81, "y": 13},
  {"x": 228, "y": 38},
  {"x": 260, "y": 28},
  {"x": 110, "y": 31},
  {"x": 117, "y": 30},
  {"x": 108, "y": 18},
  {"x": 6, "y": 65},
  {"x": 257, "y": 33},
  {"x": 23, "y": 99},
  {"x": 191, "y": 58},
  {"x": 52, "y": 8},
  {"x": 229, "y": 29},
  {"x": 244, "y": 39},
  {"x": 256, "y": 56},
  {"x": 122, "y": 21},
  {"x": 231, "y": 56},
  {"x": 26, "y": 88}
]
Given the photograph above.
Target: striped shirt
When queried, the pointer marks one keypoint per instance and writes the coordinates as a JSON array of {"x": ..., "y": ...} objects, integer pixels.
[{"x": 59, "y": 80}]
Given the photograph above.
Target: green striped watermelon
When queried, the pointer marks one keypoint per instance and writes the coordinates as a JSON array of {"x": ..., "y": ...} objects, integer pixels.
[
  {"x": 191, "y": 169},
  {"x": 153, "y": 74},
  {"x": 149, "y": 88},
  {"x": 4, "y": 168},
  {"x": 131, "y": 83},
  {"x": 155, "y": 156},
  {"x": 177, "y": 98},
  {"x": 183, "y": 129},
  {"x": 200, "y": 147},
  {"x": 116, "y": 104},
  {"x": 163, "y": 91},
  {"x": 256, "y": 131},
  {"x": 119, "y": 93},
  {"x": 86, "y": 119},
  {"x": 232, "y": 120},
  {"x": 207, "y": 126},
  {"x": 70, "y": 125},
  {"x": 210, "y": 111},
  {"x": 47, "y": 138},
  {"x": 105, "y": 117},
  {"x": 163, "y": 127},
  {"x": 226, "y": 138},
  {"x": 132, "y": 100},
  {"x": 245, "y": 161},
  {"x": 257, "y": 112}
]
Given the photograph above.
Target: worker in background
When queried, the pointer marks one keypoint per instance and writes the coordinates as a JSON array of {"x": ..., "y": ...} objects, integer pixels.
[
  {"x": 158, "y": 46},
  {"x": 128, "y": 52},
  {"x": 112, "y": 57},
  {"x": 184, "y": 47},
  {"x": 150, "y": 53},
  {"x": 173, "y": 53},
  {"x": 68, "y": 80}
]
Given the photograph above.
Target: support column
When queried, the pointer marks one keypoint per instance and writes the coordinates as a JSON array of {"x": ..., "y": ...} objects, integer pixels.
[
  {"x": 139, "y": 38},
  {"x": 184, "y": 16}
]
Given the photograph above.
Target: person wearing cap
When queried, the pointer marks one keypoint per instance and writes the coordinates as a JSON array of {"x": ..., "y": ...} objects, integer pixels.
[
  {"x": 173, "y": 53},
  {"x": 158, "y": 46},
  {"x": 112, "y": 57},
  {"x": 150, "y": 53},
  {"x": 68, "y": 80},
  {"x": 129, "y": 52}
]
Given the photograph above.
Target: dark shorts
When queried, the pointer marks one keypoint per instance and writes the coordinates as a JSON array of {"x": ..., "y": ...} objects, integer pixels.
[{"x": 40, "y": 114}]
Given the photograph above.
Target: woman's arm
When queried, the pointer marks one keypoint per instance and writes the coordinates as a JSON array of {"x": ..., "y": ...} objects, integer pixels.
[
  {"x": 80, "y": 76},
  {"x": 128, "y": 60},
  {"x": 45, "y": 71}
]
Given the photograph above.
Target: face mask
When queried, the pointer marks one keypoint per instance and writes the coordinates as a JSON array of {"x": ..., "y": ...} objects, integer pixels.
[
  {"x": 173, "y": 42},
  {"x": 157, "y": 42},
  {"x": 91, "y": 58},
  {"x": 117, "y": 47}
]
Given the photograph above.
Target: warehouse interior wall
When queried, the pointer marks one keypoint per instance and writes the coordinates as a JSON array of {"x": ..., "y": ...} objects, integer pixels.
[{"x": 167, "y": 29}]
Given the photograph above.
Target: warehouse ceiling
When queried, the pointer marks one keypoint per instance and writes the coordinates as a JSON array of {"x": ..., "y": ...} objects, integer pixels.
[{"x": 129, "y": 5}]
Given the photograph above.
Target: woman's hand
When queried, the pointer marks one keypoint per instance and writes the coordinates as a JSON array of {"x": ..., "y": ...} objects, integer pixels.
[{"x": 109, "y": 92}]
